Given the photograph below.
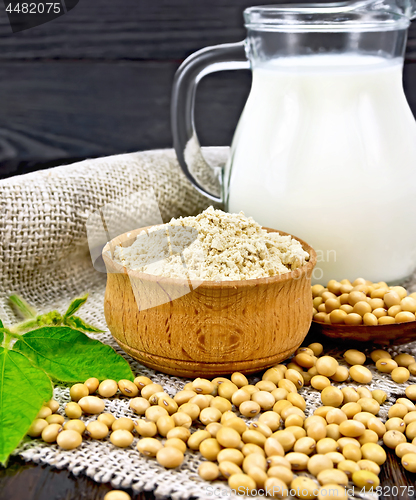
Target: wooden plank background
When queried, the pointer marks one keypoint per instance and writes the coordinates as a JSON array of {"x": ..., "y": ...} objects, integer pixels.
[{"x": 97, "y": 80}]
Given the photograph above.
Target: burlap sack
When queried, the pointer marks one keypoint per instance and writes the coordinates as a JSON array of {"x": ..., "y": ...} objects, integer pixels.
[{"x": 44, "y": 257}]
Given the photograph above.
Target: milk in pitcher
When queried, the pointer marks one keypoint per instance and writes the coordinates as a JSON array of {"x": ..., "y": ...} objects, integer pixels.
[{"x": 316, "y": 154}]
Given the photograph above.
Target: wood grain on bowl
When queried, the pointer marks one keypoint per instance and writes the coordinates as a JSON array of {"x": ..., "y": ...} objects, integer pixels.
[{"x": 215, "y": 328}]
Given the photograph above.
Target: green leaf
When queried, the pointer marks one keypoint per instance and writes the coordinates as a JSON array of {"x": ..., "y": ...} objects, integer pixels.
[
  {"x": 23, "y": 390},
  {"x": 79, "y": 324},
  {"x": 69, "y": 355},
  {"x": 75, "y": 305},
  {"x": 25, "y": 309},
  {"x": 1, "y": 324}
]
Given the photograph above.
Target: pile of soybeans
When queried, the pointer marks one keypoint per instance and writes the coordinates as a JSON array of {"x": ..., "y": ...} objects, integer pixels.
[
  {"x": 256, "y": 437},
  {"x": 362, "y": 302}
]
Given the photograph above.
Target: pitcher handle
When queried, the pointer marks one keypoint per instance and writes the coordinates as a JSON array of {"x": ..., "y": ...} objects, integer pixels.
[{"x": 208, "y": 60}]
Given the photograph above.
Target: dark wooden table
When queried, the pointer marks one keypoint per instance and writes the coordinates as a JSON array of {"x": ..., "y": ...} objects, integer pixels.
[{"x": 28, "y": 481}]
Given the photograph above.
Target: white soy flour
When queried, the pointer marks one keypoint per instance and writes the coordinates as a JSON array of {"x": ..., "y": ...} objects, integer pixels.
[{"x": 214, "y": 245}]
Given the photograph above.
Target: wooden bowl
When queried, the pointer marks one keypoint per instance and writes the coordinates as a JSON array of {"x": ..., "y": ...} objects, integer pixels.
[
  {"x": 395, "y": 334},
  {"x": 217, "y": 328}
]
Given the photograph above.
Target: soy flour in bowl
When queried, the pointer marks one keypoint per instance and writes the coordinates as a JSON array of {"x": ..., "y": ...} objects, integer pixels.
[
  {"x": 212, "y": 246},
  {"x": 210, "y": 294}
]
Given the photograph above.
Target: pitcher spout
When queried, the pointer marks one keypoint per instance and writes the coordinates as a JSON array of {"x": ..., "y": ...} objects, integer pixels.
[
  {"x": 402, "y": 7},
  {"x": 394, "y": 8}
]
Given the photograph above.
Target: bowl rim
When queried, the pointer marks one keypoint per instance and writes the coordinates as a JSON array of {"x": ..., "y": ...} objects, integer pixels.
[
  {"x": 343, "y": 327},
  {"x": 390, "y": 334},
  {"x": 115, "y": 268}
]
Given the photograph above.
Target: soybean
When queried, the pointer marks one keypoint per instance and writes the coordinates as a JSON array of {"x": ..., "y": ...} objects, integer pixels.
[
  {"x": 369, "y": 465},
  {"x": 121, "y": 438},
  {"x": 97, "y": 430},
  {"x": 91, "y": 404},
  {"x": 73, "y": 410},
  {"x": 209, "y": 448},
  {"x": 117, "y": 495},
  {"x": 36, "y": 427},
  {"x": 149, "y": 446},
  {"x": 170, "y": 457},
  {"x": 400, "y": 375},
  {"x": 107, "y": 388},
  {"x": 78, "y": 391},
  {"x": 326, "y": 365},
  {"x": 361, "y": 374},
  {"x": 332, "y": 492},
  {"x": 332, "y": 476},
  {"x": 146, "y": 428},
  {"x": 75, "y": 425},
  {"x": 332, "y": 396},
  {"x": 180, "y": 433},
  {"x": 411, "y": 392},
  {"x": 409, "y": 462},
  {"x": 139, "y": 405},
  {"x": 142, "y": 381},
  {"x": 249, "y": 408},
  {"x": 354, "y": 357},
  {"x": 69, "y": 439},
  {"x": 208, "y": 471},
  {"x": 318, "y": 463},
  {"x": 239, "y": 379},
  {"x": 50, "y": 432},
  {"x": 55, "y": 419},
  {"x": 230, "y": 455},
  {"x": 176, "y": 443},
  {"x": 182, "y": 419},
  {"x": 228, "y": 437},
  {"x": 92, "y": 384},
  {"x": 392, "y": 438},
  {"x": 127, "y": 388},
  {"x": 304, "y": 487},
  {"x": 53, "y": 405},
  {"x": 365, "y": 479},
  {"x": 244, "y": 482},
  {"x": 106, "y": 418}
]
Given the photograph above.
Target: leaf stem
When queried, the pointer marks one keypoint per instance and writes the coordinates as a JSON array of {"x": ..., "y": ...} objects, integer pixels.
[
  {"x": 23, "y": 326},
  {"x": 12, "y": 335},
  {"x": 25, "y": 309},
  {"x": 6, "y": 340},
  {"x": 8, "y": 336}
]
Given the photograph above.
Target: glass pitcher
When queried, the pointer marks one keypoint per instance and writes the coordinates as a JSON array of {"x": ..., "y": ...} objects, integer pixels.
[{"x": 325, "y": 148}]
